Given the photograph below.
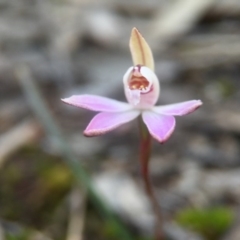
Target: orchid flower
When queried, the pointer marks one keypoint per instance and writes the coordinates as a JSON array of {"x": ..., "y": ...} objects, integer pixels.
[{"x": 142, "y": 90}]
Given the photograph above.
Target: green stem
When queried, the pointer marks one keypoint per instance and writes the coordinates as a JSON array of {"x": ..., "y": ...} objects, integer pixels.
[
  {"x": 39, "y": 107},
  {"x": 145, "y": 152}
]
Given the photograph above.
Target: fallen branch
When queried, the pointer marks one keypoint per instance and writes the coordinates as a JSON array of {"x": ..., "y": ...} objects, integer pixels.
[
  {"x": 210, "y": 50},
  {"x": 178, "y": 20}
]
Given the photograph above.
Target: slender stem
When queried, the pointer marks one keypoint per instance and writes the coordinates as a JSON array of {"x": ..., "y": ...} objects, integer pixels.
[
  {"x": 145, "y": 152},
  {"x": 40, "y": 108}
]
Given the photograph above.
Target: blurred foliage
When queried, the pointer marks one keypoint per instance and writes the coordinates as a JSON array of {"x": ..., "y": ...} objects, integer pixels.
[
  {"x": 211, "y": 223},
  {"x": 35, "y": 183},
  {"x": 226, "y": 87},
  {"x": 95, "y": 226},
  {"x": 36, "y": 186},
  {"x": 104, "y": 229},
  {"x": 22, "y": 235}
]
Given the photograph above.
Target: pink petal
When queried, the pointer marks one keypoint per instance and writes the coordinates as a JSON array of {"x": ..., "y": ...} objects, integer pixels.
[
  {"x": 97, "y": 103},
  {"x": 178, "y": 109},
  {"x": 160, "y": 126},
  {"x": 105, "y": 122}
]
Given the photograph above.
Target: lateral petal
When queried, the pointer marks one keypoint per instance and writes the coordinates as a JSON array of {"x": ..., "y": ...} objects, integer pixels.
[
  {"x": 105, "y": 122},
  {"x": 178, "y": 109},
  {"x": 97, "y": 103},
  {"x": 160, "y": 126}
]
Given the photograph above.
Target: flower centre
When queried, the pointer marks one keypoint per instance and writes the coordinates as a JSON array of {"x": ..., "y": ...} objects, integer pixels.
[{"x": 137, "y": 81}]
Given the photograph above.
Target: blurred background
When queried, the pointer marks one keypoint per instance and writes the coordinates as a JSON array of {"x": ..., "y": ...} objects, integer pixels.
[{"x": 57, "y": 184}]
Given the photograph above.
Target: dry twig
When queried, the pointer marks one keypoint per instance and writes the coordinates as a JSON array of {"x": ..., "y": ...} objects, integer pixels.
[
  {"x": 17, "y": 137},
  {"x": 77, "y": 214}
]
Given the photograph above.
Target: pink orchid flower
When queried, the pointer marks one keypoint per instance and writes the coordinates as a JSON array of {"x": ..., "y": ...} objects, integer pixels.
[{"x": 142, "y": 90}]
